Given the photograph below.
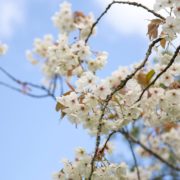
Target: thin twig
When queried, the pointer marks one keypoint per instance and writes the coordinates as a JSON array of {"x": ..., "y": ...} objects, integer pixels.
[
  {"x": 121, "y": 2},
  {"x": 131, "y": 148},
  {"x": 134, "y": 158},
  {"x": 107, "y": 140},
  {"x": 61, "y": 85},
  {"x": 22, "y": 92},
  {"x": 18, "y": 81},
  {"x": 54, "y": 84},
  {"x": 25, "y": 84}
]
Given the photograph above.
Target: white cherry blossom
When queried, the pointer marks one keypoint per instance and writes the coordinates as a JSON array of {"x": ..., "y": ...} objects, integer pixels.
[{"x": 3, "y": 49}]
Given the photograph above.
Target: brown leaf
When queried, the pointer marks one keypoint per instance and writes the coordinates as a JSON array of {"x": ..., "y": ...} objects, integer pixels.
[
  {"x": 142, "y": 79},
  {"x": 78, "y": 15},
  {"x": 62, "y": 114},
  {"x": 59, "y": 106},
  {"x": 145, "y": 78},
  {"x": 163, "y": 40},
  {"x": 169, "y": 126},
  {"x": 163, "y": 43},
  {"x": 153, "y": 28},
  {"x": 69, "y": 73}
]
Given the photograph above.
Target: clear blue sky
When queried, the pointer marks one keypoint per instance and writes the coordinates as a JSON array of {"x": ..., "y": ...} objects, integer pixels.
[{"x": 32, "y": 139}]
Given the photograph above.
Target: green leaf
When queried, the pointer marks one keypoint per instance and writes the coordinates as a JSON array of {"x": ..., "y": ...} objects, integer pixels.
[
  {"x": 150, "y": 74},
  {"x": 163, "y": 86}
]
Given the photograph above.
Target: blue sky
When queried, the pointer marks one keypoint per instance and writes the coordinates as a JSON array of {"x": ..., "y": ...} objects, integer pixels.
[{"x": 33, "y": 139}]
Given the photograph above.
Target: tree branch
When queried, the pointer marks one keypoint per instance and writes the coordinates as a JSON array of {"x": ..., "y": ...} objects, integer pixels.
[
  {"x": 131, "y": 148},
  {"x": 162, "y": 72},
  {"x": 21, "y": 91},
  {"x": 132, "y": 139},
  {"x": 109, "y": 97},
  {"x": 121, "y": 2},
  {"x": 26, "y": 84},
  {"x": 107, "y": 140}
]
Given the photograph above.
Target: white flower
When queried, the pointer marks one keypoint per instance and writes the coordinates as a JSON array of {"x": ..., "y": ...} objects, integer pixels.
[
  {"x": 167, "y": 78},
  {"x": 3, "y": 49},
  {"x": 156, "y": 92},
  {"x": 86, "y": 82},
  {"x": 63, "y": 19},
  {"x": 171, "y": 26},
  {"x": 29, "y": 56},
  {"x": 83, "y": 166},
  {"x": 41, "y": 45},
  {"x": 81, "y": 49},
  {"x": 177, "y": 10},
  {"x": 102, "y": 90},
  {"x": 99, "y": 62},
  {"x": 70, "y": 101},
  {"x": 90, "y": 100},
  {"x": 175, "y": 69},
  {"x": 80, "y": 152},
  {"x": 168, "y": 3},
  {"x": 160, "y": 4},
  {"x": 82, "y": 111},
  {"x": 164, "y": 58},
  {"x": 84, "y": 23},
  {"x": 117, "y": 76},
  {"x": 173, "y": 96},
  {"x": 121, "y": 170},
  {"x": 59, "y": 176}
]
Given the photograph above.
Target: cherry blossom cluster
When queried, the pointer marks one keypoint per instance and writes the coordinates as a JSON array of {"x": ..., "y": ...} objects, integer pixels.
[
  {"x": 107, "y": 105},
  {"x": 165, "y": 144},
  {"x": 81, "y": 167},
  {"x": 161, "y": 104},
  {"x": 172, "y": 24},
  {"x": 3, "y": 48},
  {"x": 62, "y": 57}
]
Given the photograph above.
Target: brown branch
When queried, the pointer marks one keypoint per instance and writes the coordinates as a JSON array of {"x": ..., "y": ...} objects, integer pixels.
[
  {"x": 131, "y": 148},
  {"x": 26, "y": 84},
  {"x": 107, "y": 140},
  {"x": 162, "y": 72},
  {"x": 109, "y": 97},
  {"x": 21, "y": 91},
  {"x": 121, "y": 2},
  {"x": 19, "y": 81},
  {"x": 132, "y": 139}
]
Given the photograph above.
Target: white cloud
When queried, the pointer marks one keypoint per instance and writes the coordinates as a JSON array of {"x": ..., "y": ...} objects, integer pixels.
[
  {"x": 128, "y": 19},
  {"x": 11, "y": 15}
]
